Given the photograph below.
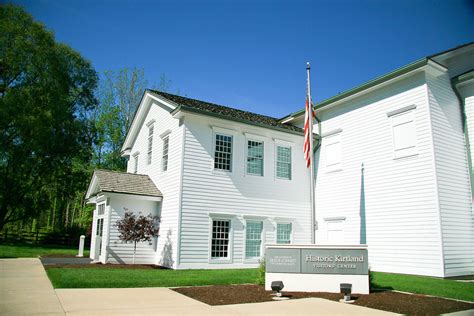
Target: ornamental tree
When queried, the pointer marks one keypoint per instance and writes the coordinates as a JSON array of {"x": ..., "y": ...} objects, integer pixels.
[{"x": 135, "y": 229}]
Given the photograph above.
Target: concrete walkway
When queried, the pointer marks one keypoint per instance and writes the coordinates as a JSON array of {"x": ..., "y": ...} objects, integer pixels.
[{"x": 25, "y": 290}]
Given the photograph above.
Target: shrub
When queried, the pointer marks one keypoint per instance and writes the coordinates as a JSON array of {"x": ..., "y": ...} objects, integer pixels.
[{"x": 371, "y": 281}]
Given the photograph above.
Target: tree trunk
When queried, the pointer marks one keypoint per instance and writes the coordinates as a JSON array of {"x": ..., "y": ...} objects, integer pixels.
[
  {"x": 67, "y": 214},
  {"x": 134, "y": 250}
]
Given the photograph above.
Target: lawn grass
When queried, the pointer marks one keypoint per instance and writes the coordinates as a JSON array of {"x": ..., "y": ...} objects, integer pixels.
[
  {"x": 34, "y": 251},
  {"x": 123, "y": 278},
  {"x": 425, "y": 285}
]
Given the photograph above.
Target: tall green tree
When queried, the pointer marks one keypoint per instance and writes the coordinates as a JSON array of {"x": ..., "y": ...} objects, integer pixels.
[
  {"x": 119, "y": 95},
  {"x": 46, "y": 104}
]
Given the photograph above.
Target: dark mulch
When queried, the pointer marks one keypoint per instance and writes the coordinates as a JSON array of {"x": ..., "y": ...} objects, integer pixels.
[{"x": 409, "y": 304}]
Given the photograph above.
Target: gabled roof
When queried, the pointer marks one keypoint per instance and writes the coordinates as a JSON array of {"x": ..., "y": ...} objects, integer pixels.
[
  {"x": 225, "y": 112},
  {"x": 175, "y": 103},
  {"x": 122, "y": 182},
  {"x": 434, "y": 60}
]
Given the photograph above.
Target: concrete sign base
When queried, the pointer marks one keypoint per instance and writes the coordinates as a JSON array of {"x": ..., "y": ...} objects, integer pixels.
[{"x": 317, "y": 268}]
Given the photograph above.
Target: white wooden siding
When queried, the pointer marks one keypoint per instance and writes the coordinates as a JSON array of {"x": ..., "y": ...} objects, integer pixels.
[
  {"x": 398, "y": 196},
  {"x": 168, "y": 182},
  {"x": 93, "y": 234},
  {"x": 452, "y": 176},
  {"x": 117, "y": 251},
  {"x": 208, "y": 191},
  {"x": 466, "y": 92}
]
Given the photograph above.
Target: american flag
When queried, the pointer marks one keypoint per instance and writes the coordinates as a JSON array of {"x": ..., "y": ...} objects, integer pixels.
[{"x": 308, "y": 130}]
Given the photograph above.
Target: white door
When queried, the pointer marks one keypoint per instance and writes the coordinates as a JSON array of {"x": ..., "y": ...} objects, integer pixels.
[{"x": 98, "y": 238}]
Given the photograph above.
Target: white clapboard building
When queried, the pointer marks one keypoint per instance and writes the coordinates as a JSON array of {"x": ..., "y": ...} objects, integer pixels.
[{"x": 393, "y": 170}]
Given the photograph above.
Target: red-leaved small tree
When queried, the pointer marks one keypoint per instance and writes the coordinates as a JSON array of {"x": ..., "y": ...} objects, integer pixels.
[{"x": 133, "y": 228}]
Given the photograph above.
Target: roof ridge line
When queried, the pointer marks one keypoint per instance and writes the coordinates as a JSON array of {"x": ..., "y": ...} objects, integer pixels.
[{"x": 212, "y": 103}]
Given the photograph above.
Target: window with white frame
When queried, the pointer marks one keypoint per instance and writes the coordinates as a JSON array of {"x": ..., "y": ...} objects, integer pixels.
[
  {"x": 283, "y": 233},
  {"x": 253, "y": 239},
  {"x": 220, "y": 239},
  {"x": 223, "y": 152},
  {"x": 404, "y": 134},
  {"x": 135, "y": 163},
  {"x": 150, "y": 143},
  {"x": 283, "y": 162},
  {"x": 255, "y": 158},
  {"x": 164, "y": 156},
  {"x": 101, "y": 209},
  {"x": 332, "y": 145}
]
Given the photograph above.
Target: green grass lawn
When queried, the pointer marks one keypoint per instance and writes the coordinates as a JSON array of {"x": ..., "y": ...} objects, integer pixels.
[
  {"x": 98, "y": 277},
  {"x": 34, "y": 251},
  {"x": 425, "y": 285},
  {"x": 120, "y": 278}
]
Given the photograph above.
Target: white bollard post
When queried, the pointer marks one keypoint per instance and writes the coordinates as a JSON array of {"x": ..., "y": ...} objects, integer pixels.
[{"x": 81, "y": 246}]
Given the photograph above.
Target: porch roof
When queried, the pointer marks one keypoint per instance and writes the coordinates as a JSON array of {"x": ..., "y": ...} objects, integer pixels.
[{"x": 122, "y": 182}]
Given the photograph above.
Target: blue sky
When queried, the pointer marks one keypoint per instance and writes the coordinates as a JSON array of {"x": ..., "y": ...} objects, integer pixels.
[{"x": 252, "y": 54}]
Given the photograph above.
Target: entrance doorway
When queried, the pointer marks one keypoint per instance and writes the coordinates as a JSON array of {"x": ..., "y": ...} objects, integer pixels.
[{"x": 99, "y": 231}]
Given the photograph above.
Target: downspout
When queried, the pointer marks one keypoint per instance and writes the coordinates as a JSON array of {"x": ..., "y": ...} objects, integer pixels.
[
  {"x": 314, "y": 153},
  {"x": 319, "y": 132}
]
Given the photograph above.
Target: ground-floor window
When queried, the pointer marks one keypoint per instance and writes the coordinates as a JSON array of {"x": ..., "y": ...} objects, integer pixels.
[
  {"x": 220, "y": 239},
  {"x": 283, "y": 233},
  {"x": 253, "y": 239}
]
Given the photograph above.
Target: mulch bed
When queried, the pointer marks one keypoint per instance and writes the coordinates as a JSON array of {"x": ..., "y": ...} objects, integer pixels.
[{"x": 409, "y": 304}]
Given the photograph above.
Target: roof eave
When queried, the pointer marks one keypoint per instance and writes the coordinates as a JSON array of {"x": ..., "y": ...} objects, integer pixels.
[
  {"x": 149, "y": 196},
  {"x": 93, "y": 183},
  {"x": 139, "y": 113},
  {"x": 463, "y": 78},
  {"x": 183, "y": 108},
  {"x": 365, "y": 86}
]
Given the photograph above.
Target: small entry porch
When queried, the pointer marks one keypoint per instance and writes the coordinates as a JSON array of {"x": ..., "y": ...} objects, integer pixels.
[{"x": 113, "y": 194}]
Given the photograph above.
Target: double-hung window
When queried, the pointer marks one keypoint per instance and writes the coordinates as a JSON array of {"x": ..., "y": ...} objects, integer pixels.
[
  {"x": 283, "y": 162},
  {"x": 135, "y": 163},
  {"x": 255, "y": 158},
  {"x": 253, "y": 239},
  {"x": 220, "y": 239},
  {"x": 164, "y": 156},
  {"x": 404, "y": 134},
  {"x": 150, "y": 143},
  {"x": 283, "y": 233},
  {"x": 223, "y": 152}
]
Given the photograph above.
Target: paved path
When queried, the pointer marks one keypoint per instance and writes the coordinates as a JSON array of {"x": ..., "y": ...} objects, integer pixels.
[
  {"x": 25, "y": 290},
  {"x": 51, "y": 261}
]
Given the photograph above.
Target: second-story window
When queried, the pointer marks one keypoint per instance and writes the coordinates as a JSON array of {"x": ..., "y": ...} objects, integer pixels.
[
  {"x": 135, "y": 163},
  {"x": 283, "y": 164},
  {"x": 164, "y": 157},
  {"x": 223, "y": 152},
  {"x": 150, "y": 144},
  {"x": 255, "y": 158}
]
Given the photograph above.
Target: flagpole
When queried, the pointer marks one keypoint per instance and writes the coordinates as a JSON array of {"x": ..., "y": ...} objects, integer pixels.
[{"x": 310, "y": 129}]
